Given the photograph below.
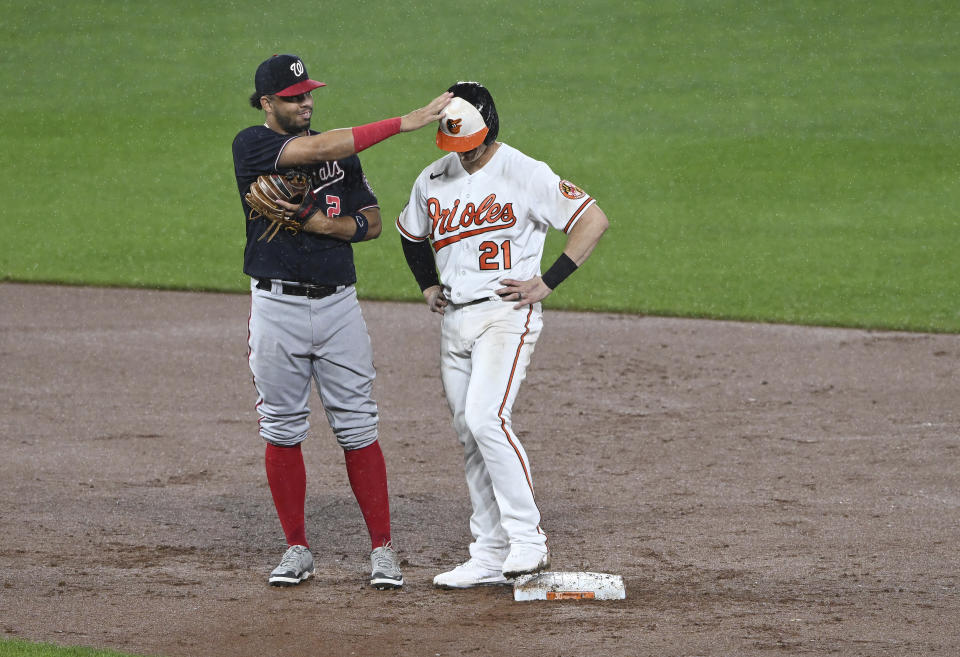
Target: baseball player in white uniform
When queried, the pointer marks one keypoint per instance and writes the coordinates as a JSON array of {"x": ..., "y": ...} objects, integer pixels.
[{"x": 480, "y": 215}]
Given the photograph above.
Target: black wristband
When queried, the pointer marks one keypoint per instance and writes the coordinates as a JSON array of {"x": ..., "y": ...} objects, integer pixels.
[
  {"x": 362, "y": 226},
  {"x": 559, "y": 271}
]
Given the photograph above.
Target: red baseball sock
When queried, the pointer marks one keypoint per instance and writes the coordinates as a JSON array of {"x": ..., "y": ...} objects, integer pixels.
[
  {"x": 368, "y": 479},
  {"x": 287, "y": 477}
]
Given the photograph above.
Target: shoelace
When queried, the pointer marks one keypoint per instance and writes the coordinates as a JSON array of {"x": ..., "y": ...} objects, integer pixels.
[
  {"x": 291, "y": 558},
  {"x": 385, "y": 558}
]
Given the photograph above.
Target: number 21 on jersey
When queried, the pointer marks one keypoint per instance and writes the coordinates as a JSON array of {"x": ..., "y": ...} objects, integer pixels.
[{"x": 492, "y": 255}]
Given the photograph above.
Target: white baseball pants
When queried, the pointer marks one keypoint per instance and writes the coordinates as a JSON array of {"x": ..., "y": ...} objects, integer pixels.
[{"x": 485, "y": 351}]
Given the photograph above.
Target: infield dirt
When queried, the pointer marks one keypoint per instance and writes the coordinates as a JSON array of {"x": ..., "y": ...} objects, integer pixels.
[{"x": 762, "y": 489}]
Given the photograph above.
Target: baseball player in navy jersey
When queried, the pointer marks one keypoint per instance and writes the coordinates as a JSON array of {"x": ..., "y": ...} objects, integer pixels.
[
  {"x": 480, "y": 215},
  {"x": 305, "y": 321}
]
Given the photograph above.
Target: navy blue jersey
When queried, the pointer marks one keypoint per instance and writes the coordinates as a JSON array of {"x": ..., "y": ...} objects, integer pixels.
[{"x": 301, "y": 257}]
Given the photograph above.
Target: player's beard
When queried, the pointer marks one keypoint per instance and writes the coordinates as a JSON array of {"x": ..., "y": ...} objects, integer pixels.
[
  {"x": 293, "y": 125},
  {"x": 478, "y": 157},
  {"x": 473, "y": 155}
]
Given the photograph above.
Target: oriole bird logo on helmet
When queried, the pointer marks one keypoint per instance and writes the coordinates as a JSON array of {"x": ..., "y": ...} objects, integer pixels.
[{"x": 453, "y": 126}]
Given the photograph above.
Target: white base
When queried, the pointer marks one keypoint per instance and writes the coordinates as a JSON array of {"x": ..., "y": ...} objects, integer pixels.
[{"x": 569, "y": 586}]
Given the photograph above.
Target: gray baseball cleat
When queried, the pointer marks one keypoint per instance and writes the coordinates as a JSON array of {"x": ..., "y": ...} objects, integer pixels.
[
  {"x": 386, "y": 568},
  {"x": 295, "y": 567}
]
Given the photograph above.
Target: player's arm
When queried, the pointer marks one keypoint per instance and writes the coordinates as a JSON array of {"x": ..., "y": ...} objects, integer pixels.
[
  {"x": 344, "y": 142},
  {"x": 581, "y": 240},
  {"x": 419, "y": 257},
  {"x": 585, "y": 235},
  {"x": 359, "y": 227}
]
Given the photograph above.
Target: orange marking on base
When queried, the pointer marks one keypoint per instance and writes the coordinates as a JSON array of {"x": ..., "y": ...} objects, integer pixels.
[{"x": 571, "y": 595}]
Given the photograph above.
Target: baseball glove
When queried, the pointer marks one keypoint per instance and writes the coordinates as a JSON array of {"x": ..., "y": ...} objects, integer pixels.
[{"x": 291, "y": 186}]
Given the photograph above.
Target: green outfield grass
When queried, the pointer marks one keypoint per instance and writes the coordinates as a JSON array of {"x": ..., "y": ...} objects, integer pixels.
[
  {"x": 25, "y": 649},
  {"x": 786, "y": 162}
]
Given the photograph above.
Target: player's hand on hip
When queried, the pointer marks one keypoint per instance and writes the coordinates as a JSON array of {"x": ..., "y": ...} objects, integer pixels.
[
  {"x": 435, "y": 299},
  {"x": 525, "y": 293},
  {"x": 425, "y": 115}
]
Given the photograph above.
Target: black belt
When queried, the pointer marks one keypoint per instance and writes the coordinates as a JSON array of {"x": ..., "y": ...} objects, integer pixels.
[
  {"x": 471, "y": 303},
  {"x": 309, "y": 291}
]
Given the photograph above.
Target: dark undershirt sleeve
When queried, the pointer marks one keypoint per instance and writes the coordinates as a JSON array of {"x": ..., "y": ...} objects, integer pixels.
[{"x": 420, "y": 260}]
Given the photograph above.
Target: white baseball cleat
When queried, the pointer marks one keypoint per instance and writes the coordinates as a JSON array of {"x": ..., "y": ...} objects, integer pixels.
[
  {"x": 468, "y": 575},
  {"x": 525, "y": 559}
]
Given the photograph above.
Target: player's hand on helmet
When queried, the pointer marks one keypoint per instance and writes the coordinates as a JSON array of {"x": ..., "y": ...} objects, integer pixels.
[
  {"x": 435, "y": 299},
  {"x": 525, "y": 293},
  {"x": 425, "y": 115}
]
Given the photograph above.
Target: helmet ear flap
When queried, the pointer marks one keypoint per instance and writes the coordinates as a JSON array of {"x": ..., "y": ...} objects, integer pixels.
[{"x": 479, "y": 96}]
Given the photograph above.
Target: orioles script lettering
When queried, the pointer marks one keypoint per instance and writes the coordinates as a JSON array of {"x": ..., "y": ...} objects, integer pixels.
[{"x": 473, "y": 219}]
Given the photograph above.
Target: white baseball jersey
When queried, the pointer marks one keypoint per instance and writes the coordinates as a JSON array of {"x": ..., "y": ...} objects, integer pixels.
[{"x": 491, "y": 224}]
